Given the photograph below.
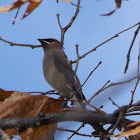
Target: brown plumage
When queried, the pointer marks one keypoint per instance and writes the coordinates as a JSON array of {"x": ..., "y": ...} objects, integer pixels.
[{"x": 58, "y": 72}]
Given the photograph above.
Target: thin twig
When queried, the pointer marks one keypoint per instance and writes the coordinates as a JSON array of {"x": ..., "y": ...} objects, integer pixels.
[
  {"x": 63, "y": 30},
  {"x": 86, "y": 79},
  {"x": 117, "y": 122},
  {"x": 36, "y": 46},
  {"x": 59, "y": 21},
  {"x": 52, "y": 92},
  {"x": 138, "y": 78},
  {"x": 97, "y": 93},
  {"x": 16, "y": 15},
  {"x": 132, "y": 114},
  {"x": 18, "y": 44},
  {"x": 91, "y": 73},
  {"x": 119, "y": 83},
  {"x": 41, "y": 92},
  {"x": 129, "y": 51},
  {"x": 113, "y": 102},
  {"x": 139, "y": 62},
  {"x": 110, "y": 85},
  {"x": 97, "y": 110},
  {"x": 134, "y": 107},
  {"x": 75, "y": 132},
  {"x": 133, "y": 92},
  {"x": 78, "y": 58},
  {"x": 87, "y": 102},
  {"x": 94, "y": 49}
]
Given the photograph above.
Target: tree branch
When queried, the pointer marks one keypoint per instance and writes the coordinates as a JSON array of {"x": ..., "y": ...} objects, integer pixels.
[
  {"x": 138, "y": 78},
  {"x": 73, "y": 131},
  {"x": 63, "y": 30},
  {"x": 18, "y": 44},
  {"x": 111, "y": 85},
  {"x": 76, "y": 131},
  {"x": 77, "y": 63},
  {"x": 88, "y": 117},
  {"x": 129, "y": 51},
  {"x": 94, "y": 49}
]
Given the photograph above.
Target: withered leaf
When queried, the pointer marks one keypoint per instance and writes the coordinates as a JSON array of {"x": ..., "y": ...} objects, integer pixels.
[
  {"x": 32, "y": 5},
  {"x": 118, "y": 5},
  {"x": 20, "y": 105},
  {"x": 133, "y": 133},
  {"x": 69, "y": 1}
]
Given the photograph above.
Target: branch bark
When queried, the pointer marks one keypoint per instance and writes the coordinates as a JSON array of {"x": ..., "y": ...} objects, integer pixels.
[
  {"x": 18, "y": 44},
  {"x": 63, "y": 30},
  {"x": 88, "y": 117}
]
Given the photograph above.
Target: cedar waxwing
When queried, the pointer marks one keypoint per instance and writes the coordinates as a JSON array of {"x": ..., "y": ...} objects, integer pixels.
[{"x": 58, "y": 72}]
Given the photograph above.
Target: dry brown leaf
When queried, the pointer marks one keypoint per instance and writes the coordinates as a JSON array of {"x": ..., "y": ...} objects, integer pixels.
[
  {"x": 32, "y": 5},
  {"x": 135, "y": 133},
  {"x": 135, "y": 137},
  {"x": 134, "y": 123},
  {"x": 110, "y": 13},
  {"x": 69, "y": 1},
  {"x": 118, "y": 5},
  {"x": 4, "y": 94},
  {"x": 129, "y": 133},
  {"x": 20, "y": 105}
]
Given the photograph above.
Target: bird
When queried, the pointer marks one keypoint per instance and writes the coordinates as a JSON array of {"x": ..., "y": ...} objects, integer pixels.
[{"x": 59, "y": 73}]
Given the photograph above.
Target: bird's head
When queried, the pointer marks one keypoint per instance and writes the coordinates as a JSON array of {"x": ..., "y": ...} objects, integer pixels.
[{"x": 50, "y": 43}]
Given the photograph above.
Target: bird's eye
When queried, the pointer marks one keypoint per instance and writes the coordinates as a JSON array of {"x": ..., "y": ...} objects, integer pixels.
[{"x": 49, "y": 40}]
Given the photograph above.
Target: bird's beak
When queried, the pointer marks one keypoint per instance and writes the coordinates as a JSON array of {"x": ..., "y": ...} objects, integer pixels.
[{"x": 41, "y": 41}]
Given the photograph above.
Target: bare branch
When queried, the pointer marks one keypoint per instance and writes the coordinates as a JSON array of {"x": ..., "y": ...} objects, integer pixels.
[
  {"x": 63, "y": 30},
  {"x": 91, "y": 73},
  {"x": 94, "y": 49},
  {"x": 110, "y": 85},
  {"x": 78, "y": 58},
  {"x": 45, "y": 119},
  {"x": 129, "y": 51},
  {"x": 120, "y": 83},
  {"x": 113, "y": 102},
  {"x": 132, "y": 114},
  {"x": 74, "y": 17},
  {"x": 86, "y": 79},
  {"x": 134, "y": 107},
  {"x": 138, "y": 78},
  {"x": 75, "y": 132},
  {"x": 104, "y": 88},
  {"x": 51, "y": 92},
  {"x": 16, "y": 15},
  {"x": 91, "y": 98},
  {"x": 59, "y": 21},
  {"x": 97, "y": 110},
  {"x": 18, "y": 44}
]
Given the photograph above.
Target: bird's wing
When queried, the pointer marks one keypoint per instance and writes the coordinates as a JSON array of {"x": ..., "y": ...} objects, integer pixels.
[{"x": 62, "y": 65}]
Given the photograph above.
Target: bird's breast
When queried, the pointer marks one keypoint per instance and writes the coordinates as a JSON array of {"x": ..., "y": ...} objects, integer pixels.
[{"x": 54, "y": 78}]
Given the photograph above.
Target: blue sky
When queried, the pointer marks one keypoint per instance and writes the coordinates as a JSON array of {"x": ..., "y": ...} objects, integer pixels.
[{"x": 21, "y": 67}]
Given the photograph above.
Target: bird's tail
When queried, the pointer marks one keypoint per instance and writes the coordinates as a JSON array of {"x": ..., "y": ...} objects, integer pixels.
[{"x": 77, "y": 103}]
